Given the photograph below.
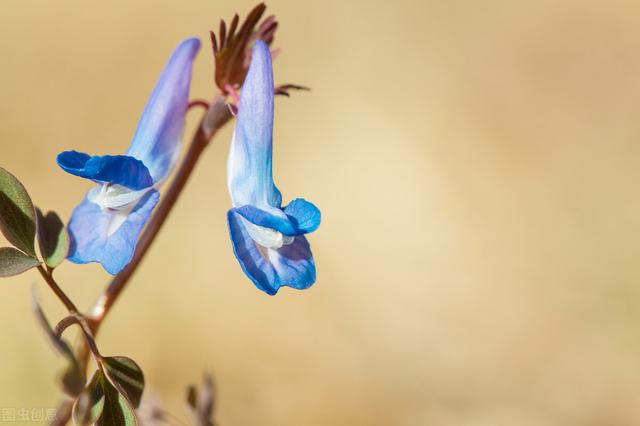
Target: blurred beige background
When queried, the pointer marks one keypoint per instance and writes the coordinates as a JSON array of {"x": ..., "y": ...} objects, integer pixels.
[{"x": 477, "y": 166}]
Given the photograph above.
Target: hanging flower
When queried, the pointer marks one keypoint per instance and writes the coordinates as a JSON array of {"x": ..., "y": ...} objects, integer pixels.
[
  {"x": 268, "y": 240},
  {"x": 106, "y": 225}
]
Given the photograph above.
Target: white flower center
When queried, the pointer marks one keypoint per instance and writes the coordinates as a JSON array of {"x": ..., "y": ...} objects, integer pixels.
[
  {"x": 266, "y": 237},
  {"x": 116, "y": 199}
]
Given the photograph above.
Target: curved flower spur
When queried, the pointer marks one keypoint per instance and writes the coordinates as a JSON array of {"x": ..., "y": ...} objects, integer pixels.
[
  {"x": 268, "y": 240},
  {"x": 106, "y": 225}
]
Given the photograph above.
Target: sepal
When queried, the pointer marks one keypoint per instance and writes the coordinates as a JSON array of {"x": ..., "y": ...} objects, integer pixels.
[{"x": 232, "y": 46}]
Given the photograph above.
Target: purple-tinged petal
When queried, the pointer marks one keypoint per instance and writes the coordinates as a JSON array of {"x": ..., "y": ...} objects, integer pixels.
[
  {"x": 304, "y": 215},
  {"x": 159, "y": 133},
  {"x": 291, "y": 265},
  {"x": 117, "y": 169},
  {"x": 106, "y": 236},
  {"x": 294, "y": 264},
  {"x": 250, "y": 177}
]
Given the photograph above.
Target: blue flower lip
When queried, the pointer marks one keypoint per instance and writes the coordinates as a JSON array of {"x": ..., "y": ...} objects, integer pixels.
[
  {"x": 113, "y": 252},
  {"x": 116, "y": 169},
  {"x": 292, "y": 265},
  {"x": 300, "y": 217}
]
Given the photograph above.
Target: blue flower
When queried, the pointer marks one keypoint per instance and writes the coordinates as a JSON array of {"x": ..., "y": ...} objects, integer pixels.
[
  {"x": 106, "y": 225},
  {"x": 268, "y": 240}
]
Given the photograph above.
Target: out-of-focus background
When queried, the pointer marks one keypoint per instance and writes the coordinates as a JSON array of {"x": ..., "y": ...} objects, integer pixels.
[{"x": 477, "y": 166}]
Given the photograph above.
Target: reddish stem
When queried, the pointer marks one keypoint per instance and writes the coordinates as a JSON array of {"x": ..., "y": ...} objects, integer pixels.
[{"x": 198, "y": 103}]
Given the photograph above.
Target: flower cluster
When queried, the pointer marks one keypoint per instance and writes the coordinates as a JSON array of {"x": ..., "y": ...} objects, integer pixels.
[
  {"x": 268, "y": 239},
  {"x": 120, "y": 215}
]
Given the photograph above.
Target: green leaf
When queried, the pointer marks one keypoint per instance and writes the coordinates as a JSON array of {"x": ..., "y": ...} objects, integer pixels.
[
  {"x": 17, "y": 216},
  {"x": 52, "y": 238},
  {"x": 117, "y": 409},
  {"x": 103, "y": 404},
  {"x": 73, "y": 379},
  {"x": 90, "y": 404},
  {"x": 14, "y": 262},
  {"x": 127, "y": 374}
]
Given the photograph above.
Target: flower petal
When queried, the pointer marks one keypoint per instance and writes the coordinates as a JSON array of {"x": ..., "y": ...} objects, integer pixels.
[
  {"x": 118, "y": 169},
  {"x": 269, "y": 269},
  {"x": 304, "y": 215},
  {"x": 159, "y": 133},
  {"x": 268, "y": 219},
  {"x": 108, "y": 237},
  {"x": 294, "y": 264},
  {"x": 300, "y": 217},
  {"x": 250, "y": 177}
]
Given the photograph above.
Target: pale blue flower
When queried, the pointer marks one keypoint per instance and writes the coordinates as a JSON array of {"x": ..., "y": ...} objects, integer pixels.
[
  {"x": 106, "y": 225},
  {"x": 268, "y": 240}
]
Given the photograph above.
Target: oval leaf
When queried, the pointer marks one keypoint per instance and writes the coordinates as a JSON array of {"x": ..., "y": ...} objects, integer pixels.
[
  {"x": 53, "y": 238},
  {"x": 125, "y": 373},
  {"x": 90, "y": 404},
  {"x": 117, "y": 409},
  {"x": 17, "y": 216},
  {"x": 14, "y": 262}
]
